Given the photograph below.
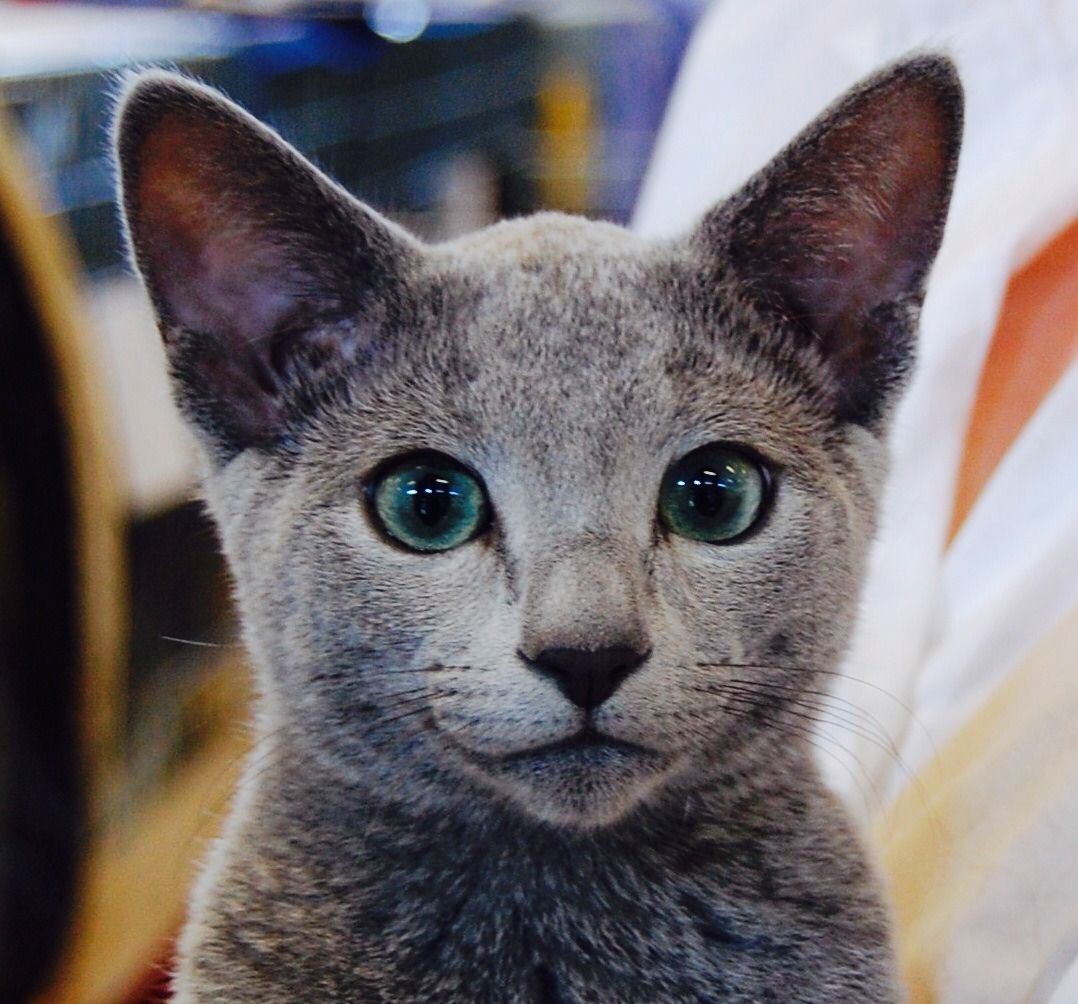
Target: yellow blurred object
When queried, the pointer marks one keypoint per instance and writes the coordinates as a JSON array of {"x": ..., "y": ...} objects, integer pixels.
[
  {"x": 137, "y": 876},
  {"x": 973, "y": 818},
  {"x": 566, "y": 124}
]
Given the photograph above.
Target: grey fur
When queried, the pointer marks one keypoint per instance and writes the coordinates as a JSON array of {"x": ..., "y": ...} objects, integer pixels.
[{"x": 392, "y": 841}]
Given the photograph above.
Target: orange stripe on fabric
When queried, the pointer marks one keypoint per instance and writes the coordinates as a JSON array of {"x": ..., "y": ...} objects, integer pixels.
[
  {"x": 954, "y": 841},
  {"x": 1035, "y": 341}
]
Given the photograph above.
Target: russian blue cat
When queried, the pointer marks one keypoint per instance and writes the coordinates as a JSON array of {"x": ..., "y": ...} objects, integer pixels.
[{"x": 546, "y": 542}]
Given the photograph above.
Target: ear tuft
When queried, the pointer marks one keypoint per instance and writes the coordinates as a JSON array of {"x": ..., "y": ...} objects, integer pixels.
[
  {"x": 837, "y": 235},
  {"x": 249, "y": 253}
]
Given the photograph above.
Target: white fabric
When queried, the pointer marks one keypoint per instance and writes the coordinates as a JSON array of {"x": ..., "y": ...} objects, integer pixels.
[
  {"x": 1010, "y": 574},
  {"x": 939, "y": 628},
  {"x": 980, "y": 851},
  {"x": 754, "y": 75}
]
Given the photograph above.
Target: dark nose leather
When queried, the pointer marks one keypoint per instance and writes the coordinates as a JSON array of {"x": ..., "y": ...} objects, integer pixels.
[{"x": 588, "y": 677}]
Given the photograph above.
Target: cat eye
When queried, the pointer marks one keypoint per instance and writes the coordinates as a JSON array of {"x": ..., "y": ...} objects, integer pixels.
[
  {"x": 713, "y": 494},
  {"x": 428, "y": 502}
]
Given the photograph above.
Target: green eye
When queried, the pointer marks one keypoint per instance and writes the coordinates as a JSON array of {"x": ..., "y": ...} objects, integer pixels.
[
  {"x": 713, "y": 494},
  {"x": 429, "y": 503}
]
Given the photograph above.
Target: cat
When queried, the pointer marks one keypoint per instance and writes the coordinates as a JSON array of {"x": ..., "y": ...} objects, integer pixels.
[{"x": 546, "y": 541}]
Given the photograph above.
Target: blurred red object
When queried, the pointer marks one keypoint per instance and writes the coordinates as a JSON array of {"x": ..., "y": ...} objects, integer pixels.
[{"x": 157, "y": 987}]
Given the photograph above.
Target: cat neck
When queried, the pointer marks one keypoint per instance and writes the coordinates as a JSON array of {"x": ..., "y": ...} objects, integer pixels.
[
  {"x": 460, "y": 904},
  {"x": 296, "y": 803}
]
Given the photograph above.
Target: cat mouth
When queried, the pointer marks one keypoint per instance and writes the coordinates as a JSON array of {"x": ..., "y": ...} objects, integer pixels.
[
  {"x": 586, "y": 779},
  {"x": 585, "y": 747},
  {"x": 588, "y": 740}
]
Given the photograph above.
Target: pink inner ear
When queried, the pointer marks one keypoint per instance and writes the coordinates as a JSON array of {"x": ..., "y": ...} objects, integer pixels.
[
  {"x": 867, "y": 235},
  {"x": 234, "y": 286},
  {"x": 213, "y": 265}
]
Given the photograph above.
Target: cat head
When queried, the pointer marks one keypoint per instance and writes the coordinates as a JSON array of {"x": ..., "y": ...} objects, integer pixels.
[{"x": 549, "y": 515}]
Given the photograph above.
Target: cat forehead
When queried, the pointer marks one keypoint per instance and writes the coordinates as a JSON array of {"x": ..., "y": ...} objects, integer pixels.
[
  {"x": 555, "y": 302},
  {"x": 544, "y": 238},
  {"x": 553, "y": 282},
  {"x": 561, "y": 335},
  {"x": 278, "y": 295},
  {"x": 566, "y": 300}
]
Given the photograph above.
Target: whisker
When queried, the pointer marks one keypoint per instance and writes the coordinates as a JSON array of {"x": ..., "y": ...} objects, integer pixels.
[
  {"x": 749, "y": 690},
  {"x": 855, "y": 719},
  {"x": 469, "y": 666},
  {"x": 407, "y": 692},
  {"x": 824, "y": 717},
  {"x": 816, "y": 741},
  {"x": 199, "y": 644},
  {"x": 390, "y": 719},
  {"x": 376, "y": 673},
  {"x": 840, "y": 674}
]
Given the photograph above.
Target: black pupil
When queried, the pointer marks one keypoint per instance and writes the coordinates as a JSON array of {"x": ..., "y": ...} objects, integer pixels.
[
  {"x": 709, "y": 493},
  {"x": 432, "y": 498}
]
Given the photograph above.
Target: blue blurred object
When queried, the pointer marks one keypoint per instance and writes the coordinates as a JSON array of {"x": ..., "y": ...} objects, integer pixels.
[{"x": 382, "y": 113}]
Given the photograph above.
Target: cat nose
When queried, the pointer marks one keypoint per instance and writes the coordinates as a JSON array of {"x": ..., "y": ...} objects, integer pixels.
[{"x": 588, "y": 676}]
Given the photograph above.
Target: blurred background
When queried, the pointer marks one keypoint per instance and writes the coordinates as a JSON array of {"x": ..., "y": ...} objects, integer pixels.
[{"x": 122, "y": 690}]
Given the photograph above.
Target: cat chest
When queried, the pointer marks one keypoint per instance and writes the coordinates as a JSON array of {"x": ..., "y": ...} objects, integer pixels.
[{"x": 585, "y": 946}]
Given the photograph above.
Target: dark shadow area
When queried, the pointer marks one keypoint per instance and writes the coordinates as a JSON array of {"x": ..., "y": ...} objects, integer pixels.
[{"x": 41, "y": 806}]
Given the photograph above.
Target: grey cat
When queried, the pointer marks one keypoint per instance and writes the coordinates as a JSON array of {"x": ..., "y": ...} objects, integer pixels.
[{"x": 546, "y": 541}]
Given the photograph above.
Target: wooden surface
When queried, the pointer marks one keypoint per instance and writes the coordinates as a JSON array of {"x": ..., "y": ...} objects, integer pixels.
[
  {"x": 138, "y": 863},
  {"x": 50, "y": 272},
  {"x": 138, "y": 875}
]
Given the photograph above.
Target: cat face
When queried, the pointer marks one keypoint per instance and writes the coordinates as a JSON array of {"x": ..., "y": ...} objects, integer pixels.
[
  {"x": 549, "y": 512},
  {"x": 567, "y": 411}
]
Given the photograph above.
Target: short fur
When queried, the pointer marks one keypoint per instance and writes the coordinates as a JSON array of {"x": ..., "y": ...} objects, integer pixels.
[{"x": 400, "y": 834}]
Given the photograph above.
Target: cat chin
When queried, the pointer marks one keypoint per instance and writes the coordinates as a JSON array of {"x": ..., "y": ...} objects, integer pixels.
[{"x": 583, "y": 789}]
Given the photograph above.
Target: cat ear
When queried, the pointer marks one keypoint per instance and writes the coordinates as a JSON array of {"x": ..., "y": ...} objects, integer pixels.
[
  {"x": 263, "y": 272},
  {"x": 838, "y": 233}
]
